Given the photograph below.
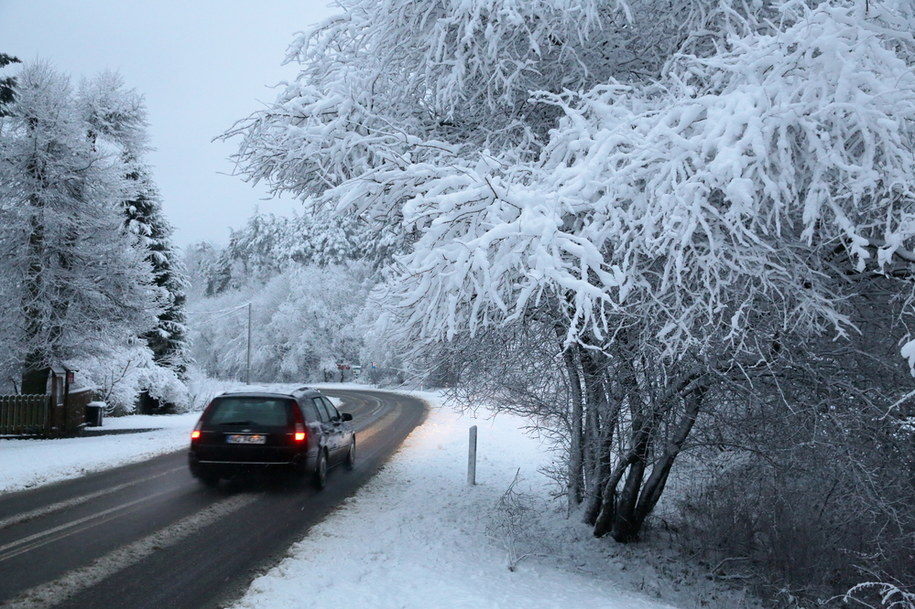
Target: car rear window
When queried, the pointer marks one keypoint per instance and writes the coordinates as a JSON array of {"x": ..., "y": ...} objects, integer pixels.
[{"x": 269, "y": 412}]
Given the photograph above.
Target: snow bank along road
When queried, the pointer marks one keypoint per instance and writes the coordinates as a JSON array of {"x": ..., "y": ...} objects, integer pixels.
[{"x": 149, "y": 535}]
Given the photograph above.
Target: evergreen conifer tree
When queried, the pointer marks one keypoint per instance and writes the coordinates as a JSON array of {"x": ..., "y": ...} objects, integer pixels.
[
  {"x": 7, "y": 84},
  {"x": 117, "y": 116},
  {"x": 168, "y": 339}
]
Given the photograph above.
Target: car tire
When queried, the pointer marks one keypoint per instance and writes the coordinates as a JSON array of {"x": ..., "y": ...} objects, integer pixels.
[
  {"x": 351, "y": 455},
  {"x": 321, "y": 471}
]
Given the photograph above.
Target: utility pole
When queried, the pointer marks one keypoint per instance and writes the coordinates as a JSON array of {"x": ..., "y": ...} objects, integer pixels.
[
  {"x": 248, "y": 362},
  {"x": 472, "y": 457}
]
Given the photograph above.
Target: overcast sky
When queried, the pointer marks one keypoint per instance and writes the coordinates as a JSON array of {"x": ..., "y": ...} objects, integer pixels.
[{"x": 201, "y": 65}]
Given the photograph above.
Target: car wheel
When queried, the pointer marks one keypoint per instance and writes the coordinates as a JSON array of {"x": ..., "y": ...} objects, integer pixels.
[
  {"x": 321, "y": 471},
  {"x": 351, "y": 455}
]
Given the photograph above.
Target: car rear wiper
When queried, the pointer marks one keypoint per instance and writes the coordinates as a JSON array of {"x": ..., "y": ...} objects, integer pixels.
[{"x": 238, "y": 423}]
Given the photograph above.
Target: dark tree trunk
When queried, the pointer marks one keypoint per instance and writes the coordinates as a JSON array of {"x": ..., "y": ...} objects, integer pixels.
[
  {"x": 604, "y": 468},
  {"x": 657, "y": 481},
  {"x": 604, "y": 407},
  {"x": 623, "y": 513},
  {"x": 625, "y": 520},
  {"x": 594, "y": 400},
  {"x": 573, "y": 484},
  {"x": 604, "y": 519}
]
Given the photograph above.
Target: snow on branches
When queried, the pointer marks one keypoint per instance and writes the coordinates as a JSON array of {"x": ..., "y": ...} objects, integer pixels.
[
  {"x": 734, "y": 186},
  {"x": 369, "y": 100},
  {"x": 692, "y": 196},
  {"x": 756, "y": 151},
  {"x": 740, "y": 178}
]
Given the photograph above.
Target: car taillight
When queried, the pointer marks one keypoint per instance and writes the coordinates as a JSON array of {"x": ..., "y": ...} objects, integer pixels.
[
  {"x": 299, "y": 433},
  {"x": 195, "y": 435}
]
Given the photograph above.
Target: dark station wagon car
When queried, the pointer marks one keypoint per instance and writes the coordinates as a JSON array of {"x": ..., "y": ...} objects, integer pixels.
[{"x": 300, "y": 431}]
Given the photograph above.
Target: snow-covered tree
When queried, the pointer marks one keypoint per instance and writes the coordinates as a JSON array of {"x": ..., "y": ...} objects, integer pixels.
[
  {"x": 169, "y": 339},
  {"x": 116, "y": 117},
  {"x": 114, "y": 114},
  {"x": 72, "y": 277},
  {"x": 268, "y": 245},
  {"x": 7, "y": 83},
  {"x": 678, "y": 191}
]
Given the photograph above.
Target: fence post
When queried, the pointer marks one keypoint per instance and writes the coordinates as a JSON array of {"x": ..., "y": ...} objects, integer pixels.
[{"x": 472, "y": 457}]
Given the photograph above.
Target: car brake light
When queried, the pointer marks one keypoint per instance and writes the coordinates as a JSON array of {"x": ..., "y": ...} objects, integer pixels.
[
  {"x": 299, "y": 432},
  {"x": 195, "y": 435}
]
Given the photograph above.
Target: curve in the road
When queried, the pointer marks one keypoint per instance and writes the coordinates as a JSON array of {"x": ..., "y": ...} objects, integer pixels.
[{"x": 147, "y": 535}]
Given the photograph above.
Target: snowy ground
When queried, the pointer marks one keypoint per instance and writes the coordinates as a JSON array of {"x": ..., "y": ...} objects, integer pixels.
[
  {"x": 28, "y": 463},
  {"x": 417, "y": 535}
]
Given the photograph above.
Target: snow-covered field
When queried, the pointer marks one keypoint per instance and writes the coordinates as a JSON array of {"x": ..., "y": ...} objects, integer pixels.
[{"x": 417, "y": 535}]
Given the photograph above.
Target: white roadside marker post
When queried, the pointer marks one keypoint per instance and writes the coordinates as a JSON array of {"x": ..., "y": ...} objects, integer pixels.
[{"x": 472, "y": 458}]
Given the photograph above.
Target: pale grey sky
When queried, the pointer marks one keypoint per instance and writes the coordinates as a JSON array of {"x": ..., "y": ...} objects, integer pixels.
[{"x": 201, "y": 65}]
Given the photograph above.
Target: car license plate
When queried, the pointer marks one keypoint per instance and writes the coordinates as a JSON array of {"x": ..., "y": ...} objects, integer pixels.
[{"x": 246, "y": 439}]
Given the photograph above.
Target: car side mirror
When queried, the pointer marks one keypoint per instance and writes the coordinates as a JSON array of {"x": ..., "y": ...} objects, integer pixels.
[{"x": 347, "y": 416}]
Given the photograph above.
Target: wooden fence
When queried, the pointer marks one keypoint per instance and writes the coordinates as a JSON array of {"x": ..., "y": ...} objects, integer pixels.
[{"x": 24, "y": 414}]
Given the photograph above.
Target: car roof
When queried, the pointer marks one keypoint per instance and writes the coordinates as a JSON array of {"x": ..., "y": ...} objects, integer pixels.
[{"x": 267, "y": 393}]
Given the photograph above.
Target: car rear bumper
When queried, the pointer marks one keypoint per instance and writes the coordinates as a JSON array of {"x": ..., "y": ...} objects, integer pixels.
[{"x": 209, "y": 465}]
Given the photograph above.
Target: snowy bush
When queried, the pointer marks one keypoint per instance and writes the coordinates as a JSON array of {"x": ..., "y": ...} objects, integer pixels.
[
  {"x": 807, "y": 476},
  {"x": 202, "y": 388},
  {"x": 513, "y": 524},
  {"x": 121, "y": 373},
  {"x": 890, "y": 596}
]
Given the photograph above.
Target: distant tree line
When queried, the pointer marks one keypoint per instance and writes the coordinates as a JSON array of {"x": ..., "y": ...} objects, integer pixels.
[{"x": 307, "y": 282}]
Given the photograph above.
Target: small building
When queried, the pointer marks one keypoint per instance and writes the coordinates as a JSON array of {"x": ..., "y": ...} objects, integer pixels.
[{"x": 49, "y": 405}]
